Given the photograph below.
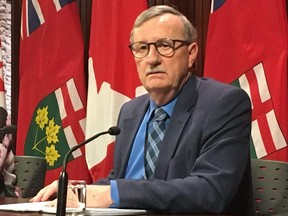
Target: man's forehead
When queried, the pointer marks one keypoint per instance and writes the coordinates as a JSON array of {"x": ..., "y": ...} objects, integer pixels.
[
  {"x": 164, "y": 18},
  {"x": 162, "y": 26}
]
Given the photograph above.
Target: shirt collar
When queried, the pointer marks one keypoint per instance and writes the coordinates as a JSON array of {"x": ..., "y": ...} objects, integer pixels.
[{"x": 168, "y": 108}]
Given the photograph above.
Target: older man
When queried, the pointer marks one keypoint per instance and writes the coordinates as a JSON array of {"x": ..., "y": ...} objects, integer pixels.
[{"x": 184, "y": 146}]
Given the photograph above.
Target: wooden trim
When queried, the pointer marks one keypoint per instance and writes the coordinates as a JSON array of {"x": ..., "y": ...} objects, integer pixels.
[
  {"x": 15, "y": 43},
  {"x": 85, "y": 7}
]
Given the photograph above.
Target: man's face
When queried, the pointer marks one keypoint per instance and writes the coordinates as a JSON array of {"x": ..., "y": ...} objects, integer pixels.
[{"x": 162, "y": 75}]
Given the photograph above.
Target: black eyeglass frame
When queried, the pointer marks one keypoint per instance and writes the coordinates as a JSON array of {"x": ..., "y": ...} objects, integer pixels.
[{"x": 182, "y": 43}]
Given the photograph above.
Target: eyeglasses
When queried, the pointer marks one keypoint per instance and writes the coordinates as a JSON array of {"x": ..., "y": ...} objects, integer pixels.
[{"x": 164, "y": 46}]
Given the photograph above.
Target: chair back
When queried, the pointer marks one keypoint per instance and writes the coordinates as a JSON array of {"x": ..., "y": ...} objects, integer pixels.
[
  {"x": 30, "y": 172},
  {"x": 270, "y": 186}
]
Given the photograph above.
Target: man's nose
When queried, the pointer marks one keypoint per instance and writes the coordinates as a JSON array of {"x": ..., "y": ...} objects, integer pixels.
[{"x": 153, "y": 56}]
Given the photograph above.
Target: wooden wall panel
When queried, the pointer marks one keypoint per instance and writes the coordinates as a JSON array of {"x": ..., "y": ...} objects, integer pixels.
[{"x": 15, "y": 41}]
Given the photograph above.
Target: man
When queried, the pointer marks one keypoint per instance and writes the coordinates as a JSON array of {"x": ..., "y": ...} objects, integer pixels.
[{"x": 203, "y": 162}]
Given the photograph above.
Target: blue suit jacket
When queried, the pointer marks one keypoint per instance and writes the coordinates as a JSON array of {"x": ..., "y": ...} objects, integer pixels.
[{"x": 204, "y": 162}]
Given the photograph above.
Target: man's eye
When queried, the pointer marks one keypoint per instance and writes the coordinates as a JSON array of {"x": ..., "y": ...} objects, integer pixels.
[
  {"x": 164, "y": 45},
  {"x": 143, "y": 47},
  {"x": 140, "y": 48}
]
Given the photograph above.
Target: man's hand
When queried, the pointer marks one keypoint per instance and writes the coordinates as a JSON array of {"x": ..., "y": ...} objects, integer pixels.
[
  {"x": 98, "y": 196},
  {"x": 46, "y": 193},
  {"x": 72, "y": 200}
]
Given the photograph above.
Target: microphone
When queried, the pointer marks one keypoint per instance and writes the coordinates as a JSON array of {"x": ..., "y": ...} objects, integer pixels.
[
  {"x": 9, "y": 129},
  {"x": 63, "y": 179}
]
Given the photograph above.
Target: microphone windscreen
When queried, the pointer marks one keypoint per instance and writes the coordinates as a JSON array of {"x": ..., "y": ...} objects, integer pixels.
[
  {"x": 114, "y": 130},
  {"x": 9, "y": 129}
]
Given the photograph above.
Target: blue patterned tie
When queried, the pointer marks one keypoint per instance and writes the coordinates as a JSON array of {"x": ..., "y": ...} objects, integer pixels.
[{"x": 156, "y": 130}]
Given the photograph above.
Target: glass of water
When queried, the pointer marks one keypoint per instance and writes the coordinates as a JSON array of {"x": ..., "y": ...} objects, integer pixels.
[{"x": 76, "y": 196}]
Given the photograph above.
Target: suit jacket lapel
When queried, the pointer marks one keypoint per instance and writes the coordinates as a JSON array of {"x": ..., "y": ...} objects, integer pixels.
[
  {"x": 181, "y": 113},
  {"x": 132, "y": 124}
]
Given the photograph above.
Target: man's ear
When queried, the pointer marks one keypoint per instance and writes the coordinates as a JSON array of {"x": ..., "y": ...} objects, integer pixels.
[
  {"x": 193, "y": 48},
  {"x": 193, "y": 51}
]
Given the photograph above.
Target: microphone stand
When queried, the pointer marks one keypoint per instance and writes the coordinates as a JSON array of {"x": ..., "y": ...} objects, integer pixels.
[{"x": 63, "y": 179}]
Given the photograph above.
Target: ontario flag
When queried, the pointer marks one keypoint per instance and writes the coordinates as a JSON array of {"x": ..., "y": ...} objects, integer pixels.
[
  {"x": 112, "y": 78},
  {"x": 247, "y": 47},
  {"x": 52, "y": 97},
  {"x": 2, "y": 87}
]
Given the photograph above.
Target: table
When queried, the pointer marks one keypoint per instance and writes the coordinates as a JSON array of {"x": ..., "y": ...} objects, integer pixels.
[{"x": 7, "y": 200}]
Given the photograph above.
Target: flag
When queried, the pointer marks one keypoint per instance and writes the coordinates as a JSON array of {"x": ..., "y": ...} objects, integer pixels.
[
  {"x": 52, "y": 92},
  {"x": 247, "y": 47},
  {"x": 2, "y": 87},
  {"x": 113, "y": 78}
]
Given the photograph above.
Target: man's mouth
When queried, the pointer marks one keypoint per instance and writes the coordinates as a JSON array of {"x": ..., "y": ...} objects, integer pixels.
[{"x": 154, "y": 72}]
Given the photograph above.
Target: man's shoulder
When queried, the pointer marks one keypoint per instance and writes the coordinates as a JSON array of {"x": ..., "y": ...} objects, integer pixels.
[
  {"x": 137, "y": 101},
  {"x": 215, "y": 86},
  {"x": 215, "y": 83}
]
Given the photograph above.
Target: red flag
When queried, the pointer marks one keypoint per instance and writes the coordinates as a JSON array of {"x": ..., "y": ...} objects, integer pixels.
[
  {"x": 113, "y": 77},
  {"x": 2, "y": 87},
  {"x": 247, "y": 46},
  {"x": 52, "y": 98}
]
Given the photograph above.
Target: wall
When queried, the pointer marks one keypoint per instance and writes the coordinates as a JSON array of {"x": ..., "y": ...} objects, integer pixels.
[{"x": 5, "y": 36}]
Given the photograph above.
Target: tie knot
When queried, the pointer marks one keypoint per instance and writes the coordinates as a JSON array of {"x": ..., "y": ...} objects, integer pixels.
[{"x": 160, "y": 114}]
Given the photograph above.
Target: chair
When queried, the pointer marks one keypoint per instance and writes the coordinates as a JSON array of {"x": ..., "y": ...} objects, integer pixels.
[
  {"x": 30, "y": 172},
  {"x": 270, "y": 186}
]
